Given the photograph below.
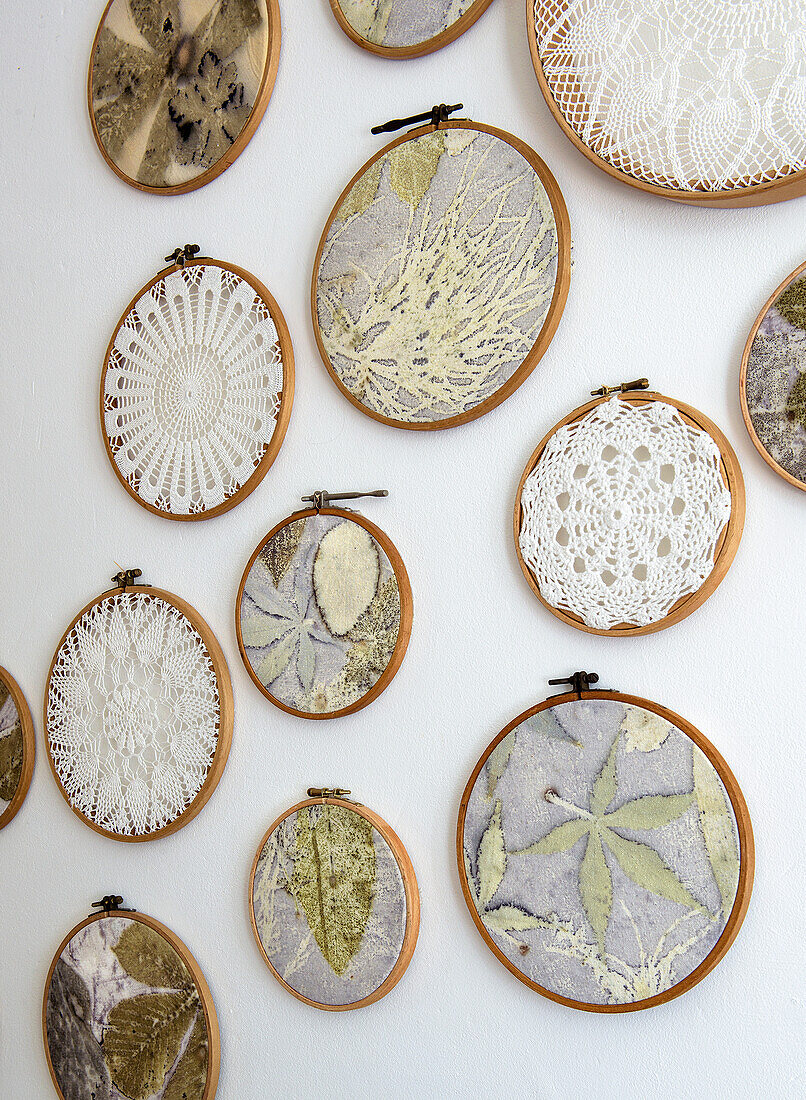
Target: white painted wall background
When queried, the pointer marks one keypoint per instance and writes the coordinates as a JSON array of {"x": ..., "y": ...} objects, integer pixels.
[{"x": 658, "y": 289}]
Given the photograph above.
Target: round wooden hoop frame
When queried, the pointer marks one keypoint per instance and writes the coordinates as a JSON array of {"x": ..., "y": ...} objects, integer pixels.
[
  {"x": 406, "y": 612},
  {"x": 748, "y": 347},
  {"x": 758, "y": 194},
  {"x": 247, "y": 133},
  {"x": 410, "y": 888},
  {"x": 556, "y": 306},
  {"x": 28, "y": 747},
  {"x": 746, "y": 853},
  {"x": 205, "y": 996},
  {"x": 225, "y": 716},
  {"x": 286, "y": 397},
  {"x": 727, "y": 544},
  {"x": 444, "y": 38}
]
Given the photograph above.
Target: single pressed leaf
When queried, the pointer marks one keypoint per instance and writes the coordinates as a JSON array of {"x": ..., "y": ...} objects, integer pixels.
[
  {"x": 718, "y": 829},
  {"x": 188, "y": 1080},
  {"x": 258, "y": 631},
  {"x": 413, "y": 165},
  {"x": 362, "y": 193},
  {"x": 645, "y": 867},
  {"x": 650, "y": 812},
  {"x": 75, "y": 1054},
  {"x": 604, "y": 787},
  {"x": 143, "y": 1037},
  {"x": 560, "y": 839},
  {"x": 596, "y": 887},
  {"x": 11, "y": 754},
  {"x": 276, "y": 660},
  {"x": 510, "y": 918},
  {"x": 279, "y": 551},
  {"x": 497, "y": 763},
  {"x": 306, "y": 661},
  {"x": 147, "y": 957},
  {"x": 791, "y": 304},
  {"x": 492, "y": 858},
  {"x": 545, "y": 724},
  {"x": 346, "y": 572}
]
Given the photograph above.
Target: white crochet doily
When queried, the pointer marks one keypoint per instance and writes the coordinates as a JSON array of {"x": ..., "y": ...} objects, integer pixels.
[
  {"x": 622, "y": 514},
  {"x": 693, "y": 95},
  {"x": 132, "y": 713},
  {"x": 192, "y": 389}
]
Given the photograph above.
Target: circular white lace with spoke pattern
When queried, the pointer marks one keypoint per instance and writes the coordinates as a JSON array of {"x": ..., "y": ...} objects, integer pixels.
[
  {"x": 622, "y": 514},
  {"x": 192, "y": 389},
  {"x": 132, "y": 714}
]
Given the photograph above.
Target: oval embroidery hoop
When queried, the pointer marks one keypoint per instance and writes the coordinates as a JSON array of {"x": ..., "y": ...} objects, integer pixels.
[
  {"x": 567, "y": 82},
  {"x": 189, "y": 345},
  {"x": 337, "y": 798},
  {"x": 744, "y": 884},
  {"x": 128, "y": 701},
  {"x": 26, "y": 745},
  {"x": 383, "y": 543},
  {"x": 112, "y": 911},
  {"x": 373, "y": 18},
  {"x": 726, "y": 544},
  {"x": 551, "y": 311},
  {"x": 128, "y": 62},
  {"x": 772, "y": 401}
]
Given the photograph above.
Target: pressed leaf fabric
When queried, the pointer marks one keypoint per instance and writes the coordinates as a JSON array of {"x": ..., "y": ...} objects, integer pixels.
[
  {"x": 601, "y": 851},
  {"x": 437, "y": 275},
  {"x": 399, "y": 23},
  {"x": 329, "y": 904},
  {"x": 12, "y": 747},
  {"x": 124, "y": 1018}
]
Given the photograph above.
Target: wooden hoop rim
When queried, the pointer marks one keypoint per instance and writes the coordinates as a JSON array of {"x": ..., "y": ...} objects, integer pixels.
[
  {"x": 746, "y": 853},
  {"x": 28, "y": 746},
  {"x": 244, "y": 137},
  {"x": 225, "y": 715},
  {"x": 406, "y": 612},
  {"x": 778, "y": 190},
  {"x": 410, "y": 888},
  {"x": 556, "y": 306},
  {"x": 286, "y": 397},
  {"x": 748, "y": 347},
  {"x": 727, "y": 544},
  {"x": 205, "y": 996},
  {"x": 443, "y": 38}
]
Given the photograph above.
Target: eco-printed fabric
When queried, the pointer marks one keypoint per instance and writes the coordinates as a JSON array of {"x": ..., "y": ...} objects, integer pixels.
[
  {"x": 12, "y": 747},
  {"x": 601, "y": 851},
  {"x": 329, "y": 904},
  {"x": 320, "y": 614},
  {"x": 123, "y": 1017},
  {"x": 399, "y": 23},
  {"x": 437, "y": 275}
]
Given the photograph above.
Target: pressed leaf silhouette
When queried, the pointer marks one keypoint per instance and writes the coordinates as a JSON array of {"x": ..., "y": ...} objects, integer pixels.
[
  {"x": 75, "y": 1054},
  {"x": 11, "y": 752},
  {"x": 716, "y": 821},
  {"x": 147, "y": 957},
  {"x": 334, "y": 879},
  {"x": 413, "y": 165},
  {"x": 143, "y": 1037},
  {"x": 492, "y": 858},
  {"x": 510, "y": 918},
  {"x": 497, "y": 763},
  {"x": 646, "y": 868},
  {"x": 791, "y": 304},
  {"x": 346, "y": 572},
  {"x": 279, "y": 551},
  {"x": 596, "y": 887},
  {"x": 190, "y": 1077},
  {"x": 604, "y": 786},
  {"x": 362, "y": 193},
  {"x": 650, "y": 812},
  {"x": 560, "y": 839}
]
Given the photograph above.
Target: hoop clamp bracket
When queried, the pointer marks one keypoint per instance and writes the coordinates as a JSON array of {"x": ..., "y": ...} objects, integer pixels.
[
  {"x": 182, "y": 256},
  {"x": 321, "y": 498},
  {"x": 438, "y": 113},
  {"x": 579, "y": 682},
  {"x": 623, "y": 387},
  {"x": 126, "y": 578},
  {"x": 112, "y": 903}
]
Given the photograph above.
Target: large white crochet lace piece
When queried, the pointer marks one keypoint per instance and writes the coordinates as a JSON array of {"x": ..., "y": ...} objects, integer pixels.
[
  {"x": 622, "y": 515},
  {"x": 698, "y": 95},
  {"x": 132, "y": 714},
  {"x": 192, "y": 390}
]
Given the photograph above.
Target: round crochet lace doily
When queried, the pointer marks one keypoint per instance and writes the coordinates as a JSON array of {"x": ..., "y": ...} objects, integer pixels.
[
  {"x": 406, "y": 28},
  {"x": 197, "y": 390},
  {"x": 697, "y": 97},
  {"x": 136, "y": 731},
  {"x": 622, "y": 515}
]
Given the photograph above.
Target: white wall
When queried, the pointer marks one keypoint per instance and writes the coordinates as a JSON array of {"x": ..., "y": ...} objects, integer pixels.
[{"x": 658, "y": 289}]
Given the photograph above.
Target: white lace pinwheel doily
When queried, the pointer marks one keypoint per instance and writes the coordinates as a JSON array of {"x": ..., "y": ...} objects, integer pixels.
[
  {"x": 692, "y": 96},
  {"x": 192, "y": 390},
  {"x": 133, "y": 714},
  {"x": 622, "y": 514}
]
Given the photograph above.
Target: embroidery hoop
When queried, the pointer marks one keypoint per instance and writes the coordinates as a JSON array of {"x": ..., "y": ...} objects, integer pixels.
[
  {"x": 244, "y": 137},
  {"x": 444, "y": 38},
  {"x": 205, "y": 996},
  {"x": 28, "y": 747},
  {"x": 746, "y": 851},
  {"x": 286, "y": 399},
  {"x": 406, "y": 611},
  {"x": 778, "y": 190},
  {"x": 556, "y": 306},
  {"x": 727, "y": 544},
  {"x": 225, "y": 720},
  {"x": 411, "y": 891},
  {"x": 748, "y": 347}
]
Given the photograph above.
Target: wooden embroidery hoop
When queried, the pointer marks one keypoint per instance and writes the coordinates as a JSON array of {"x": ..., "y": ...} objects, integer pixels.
[
  {"x": 556, "y": 306},
  {"x": 225, "y": 715},
  {"x": 746, "y": 852},
  {"x": 443, "y": 38},
  {"x": 777, "y": 190},
  {"x": 748, "y": 347},
  {"x": 286, "y": 398},
  {"x": 406, "y": 612},
  {"x": 727, "y": 544},
  {"x": 410, "y": 888},
  {"x": 244, "y": 137},
  {"x": 28, "y": 747},
  {"x": 205, "y": 996}
]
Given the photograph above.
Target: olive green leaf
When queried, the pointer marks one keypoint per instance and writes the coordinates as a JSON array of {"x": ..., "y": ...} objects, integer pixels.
[
  {"x": 792, "y": 304},
  {"x": 645, "y": 867},
  {"x": 147, "y": 957},
  {"x": 279, "y": 551},
  {"x": 497, "y": 763},
  {"x": 75, "y": 1054},
  {"x": 545, "y": 724},
  {"x": 560, "y": 839},
  {"x": 604, "y": 786},
  {"x": 716, "y": 822},
  {"x": 258, "y": 631},
  {"x": 188, "y": 1080},
  {"x": 362, "y": 193},
  {"x": 143, "y": 1037},
  {"x": 276, "y": 660},
  {"x": 334, "y": 879},
  {"x": 413, "y": 165},
  {"x": 492, "y": 858},
  {"x": 158, "y": 21},
  {"x": 232, "y": 25},
  {"x": 596, "y": 887},
  {"x": 650, "y": 812},
  {"x": 11, "y": 754},
  {"x": 796, "y": 401},
  {"x": 510, "y": 918}
]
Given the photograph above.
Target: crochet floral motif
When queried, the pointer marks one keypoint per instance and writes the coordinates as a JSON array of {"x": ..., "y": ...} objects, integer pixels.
[
  {"x": 397, "y": 23},
  {"x": 623, "y": 513},
  {"x": 192, "y": 389},
  {"x": 132, "y": 714}
]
